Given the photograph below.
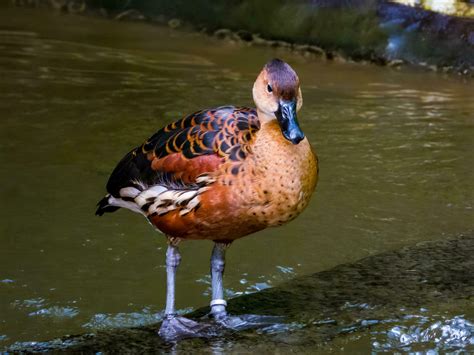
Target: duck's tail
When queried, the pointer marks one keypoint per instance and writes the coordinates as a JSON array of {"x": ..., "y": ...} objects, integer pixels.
[{"x": 103, "y": 206}]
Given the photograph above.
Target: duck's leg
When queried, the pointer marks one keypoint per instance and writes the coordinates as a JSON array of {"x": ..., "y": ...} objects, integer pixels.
[
  {"x": 173, "y": 259},
  {"x": 173, "y": 327},
  {"x": 218, "y": 304}
]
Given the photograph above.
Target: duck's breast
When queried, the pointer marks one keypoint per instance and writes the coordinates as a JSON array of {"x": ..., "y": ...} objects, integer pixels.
[
  {"x": 286, "y": 175},
  {"x": 271, "y": 187}
]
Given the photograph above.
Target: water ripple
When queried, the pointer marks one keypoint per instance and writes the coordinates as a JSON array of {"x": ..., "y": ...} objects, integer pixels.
[
  {"x": 434, "y": 334},
  {"x": 56, "y": 312},
  {"x": 133, "y": 319}
]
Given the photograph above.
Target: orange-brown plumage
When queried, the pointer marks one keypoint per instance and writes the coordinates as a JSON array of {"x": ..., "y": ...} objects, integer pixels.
[
  {"x": 220, "y": 174},
  {"x": 184, "y": 169},
  {"x": 257, "y": 197}
]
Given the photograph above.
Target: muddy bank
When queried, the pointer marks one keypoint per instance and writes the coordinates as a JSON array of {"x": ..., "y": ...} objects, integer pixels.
[
  {"x": 371, "y": 31},
  {"x": 373, "y": 298}
]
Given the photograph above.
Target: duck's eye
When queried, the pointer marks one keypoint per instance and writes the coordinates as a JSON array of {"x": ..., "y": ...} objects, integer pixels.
[{"x": 269, "y": 88}]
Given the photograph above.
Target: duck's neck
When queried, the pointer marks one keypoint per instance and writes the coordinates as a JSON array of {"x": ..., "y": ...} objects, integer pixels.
[{"x": 265, "y": 117}]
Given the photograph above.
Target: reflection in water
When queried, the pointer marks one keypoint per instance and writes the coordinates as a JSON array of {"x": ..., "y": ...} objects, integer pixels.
[{"x": 395, "y": 150}]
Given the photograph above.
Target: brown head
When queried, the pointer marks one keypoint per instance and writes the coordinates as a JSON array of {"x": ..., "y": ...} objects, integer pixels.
[{"x": 277, "y": 94}]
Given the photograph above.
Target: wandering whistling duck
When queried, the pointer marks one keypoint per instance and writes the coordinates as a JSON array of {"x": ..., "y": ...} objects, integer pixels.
[{"x": 220, "y": 174}]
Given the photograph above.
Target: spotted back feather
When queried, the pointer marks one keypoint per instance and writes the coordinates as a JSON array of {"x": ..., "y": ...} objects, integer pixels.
[
  {"x": 176, "y": 155},
  {"x": 225, "y": 131}
]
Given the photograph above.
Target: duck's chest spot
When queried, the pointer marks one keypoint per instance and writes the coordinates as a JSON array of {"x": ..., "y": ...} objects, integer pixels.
[{"x": 286, "y": 182}]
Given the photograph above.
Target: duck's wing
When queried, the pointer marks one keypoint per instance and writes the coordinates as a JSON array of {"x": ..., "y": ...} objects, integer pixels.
[{"x": 177, "y": 159}]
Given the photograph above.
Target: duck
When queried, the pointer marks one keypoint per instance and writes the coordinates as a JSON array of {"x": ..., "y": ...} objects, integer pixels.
[{"x": 219, "y": 174}]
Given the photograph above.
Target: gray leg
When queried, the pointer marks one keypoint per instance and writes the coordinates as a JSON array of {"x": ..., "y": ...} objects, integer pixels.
[
  {"x": 218, "y": 303},
  {"x": 173, "y": 258},
  {"x": 174, "y": 327}
]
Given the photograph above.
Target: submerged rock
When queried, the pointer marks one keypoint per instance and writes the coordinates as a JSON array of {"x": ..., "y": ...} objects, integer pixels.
[
  {"x": 316, "y": 50},
  {"x": 174, "y": 23},
  {"x": 281, "y": 44},
  {"x": 395, "y": 63},
  {"x": 223, "y": 33},
  {"x": 245, "y": 35},
  {"x": 259, "y": 41}
]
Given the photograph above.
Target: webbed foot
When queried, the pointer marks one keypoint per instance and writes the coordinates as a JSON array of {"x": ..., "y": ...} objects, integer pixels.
[{"x": 175, "y": 328}]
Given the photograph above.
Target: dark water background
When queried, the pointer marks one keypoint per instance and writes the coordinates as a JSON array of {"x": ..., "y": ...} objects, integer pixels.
[{"x": 77, "y": 93}]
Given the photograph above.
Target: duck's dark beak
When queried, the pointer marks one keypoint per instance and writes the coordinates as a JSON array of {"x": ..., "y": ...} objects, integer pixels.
[{"x": 286, "y": 116}]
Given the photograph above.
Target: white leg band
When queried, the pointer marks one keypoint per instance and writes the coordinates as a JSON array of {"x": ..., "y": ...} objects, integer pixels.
[{"x": 218, "y": 302}]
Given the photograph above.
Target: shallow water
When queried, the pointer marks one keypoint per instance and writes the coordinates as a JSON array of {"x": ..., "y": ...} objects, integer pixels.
[{"x": 77, "y": 93}]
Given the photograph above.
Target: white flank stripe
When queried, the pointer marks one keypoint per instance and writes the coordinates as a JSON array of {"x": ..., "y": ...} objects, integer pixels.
[
  {"x": 204, "y": 178},
  {"x": 129, "y": 192},
  {"x": 132, "y": 206},
  {"x": 164, "y": 200},
  {"x": 184, "y": 211},
  {"x": 152, "y": 192},
  {"x": 169, "y": 195},
  {"x": 193, "y": 203},
  {"x": 185, "y": 196}
]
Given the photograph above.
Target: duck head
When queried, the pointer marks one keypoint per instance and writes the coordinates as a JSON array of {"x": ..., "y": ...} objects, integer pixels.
[{"x": 277, "y": 94}]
